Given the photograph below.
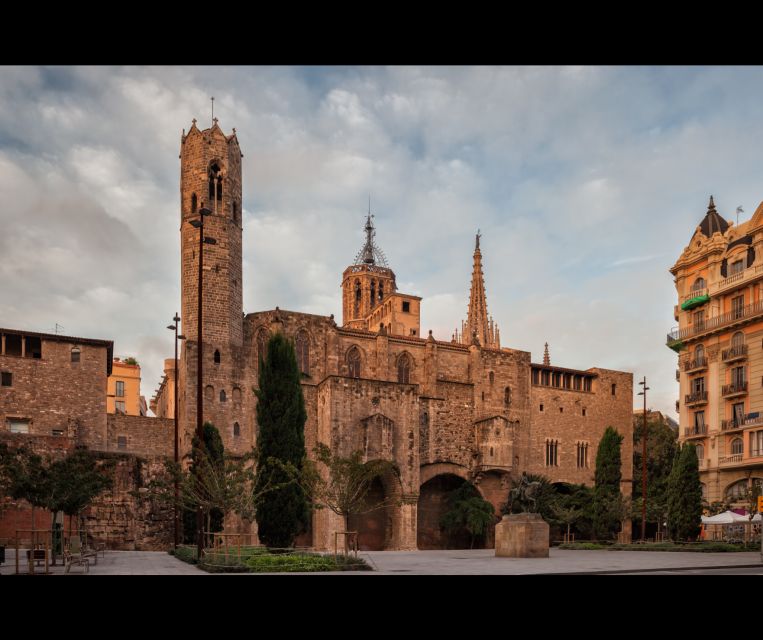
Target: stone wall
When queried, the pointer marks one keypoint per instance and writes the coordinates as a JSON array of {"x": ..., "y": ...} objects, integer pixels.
[
  {"x": 142, "y": 435},
  {"x": 55, "y": 393}
]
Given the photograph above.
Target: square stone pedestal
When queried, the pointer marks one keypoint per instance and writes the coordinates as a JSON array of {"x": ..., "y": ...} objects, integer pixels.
[{"x": 522, "y": 535}]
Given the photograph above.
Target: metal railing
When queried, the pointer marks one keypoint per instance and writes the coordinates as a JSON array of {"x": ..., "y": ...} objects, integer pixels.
[
  {"x": 734, "y": 388},
  {"x": 739, "y": 351},
  {"x": 696, "y": 430},
  {"x": 699, "y": 363},
  {"x": 728, "y": 425},
  {"x": 696, "y": 397},
  {"x": 718, "y": 322}
]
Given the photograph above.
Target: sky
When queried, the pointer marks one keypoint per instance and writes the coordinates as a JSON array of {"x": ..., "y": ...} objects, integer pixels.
[{"x": 586, "y": 184}]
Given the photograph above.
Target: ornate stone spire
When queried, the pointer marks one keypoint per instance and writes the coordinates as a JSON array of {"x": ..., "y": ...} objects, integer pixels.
[
  {"x": 371, "y": 254},
  {"x": 546, "y": 358},
  {"x": 477, "y": 324}
]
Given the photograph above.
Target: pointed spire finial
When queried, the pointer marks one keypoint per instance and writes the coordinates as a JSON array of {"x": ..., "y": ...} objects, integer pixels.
[
  {"x": 477, "y": 244},
  {"x": 546, "y": 358},
  {"x": 711, "y": 205},
  {"x": 193, "y": 122},
  {"x": 213, "y": 109}
]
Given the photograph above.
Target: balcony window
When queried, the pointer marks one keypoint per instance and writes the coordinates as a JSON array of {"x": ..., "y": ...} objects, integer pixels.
[
  {"x": 739, "y": 413},
  {"x": 700, "y": 452},
  {"x": 699, "y": 422},
  {"x": 736, "y": 267},
  {"x": 756, "y": 443},
  {"x": 737, "y": 446},
  {"x": 698, "y": 385},
  {"x": 699, "y": 320},
  {"x": 699, "y": 284},
  {"x": 737, "y": 307},
  {"x": 738, "y": 377},
  {"x": 120, "y": 392}
]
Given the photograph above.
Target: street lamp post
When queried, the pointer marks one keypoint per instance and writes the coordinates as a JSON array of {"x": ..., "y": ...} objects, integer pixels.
[
  {"x": 198, "y": 223},
  {"x": 643, "y": 464},
  {"x": 174, "y": 327}
]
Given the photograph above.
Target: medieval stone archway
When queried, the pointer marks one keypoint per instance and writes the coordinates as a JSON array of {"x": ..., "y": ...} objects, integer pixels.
[
  {"x": 374, "y": 527},
  {"x": 432, "y": 505}
]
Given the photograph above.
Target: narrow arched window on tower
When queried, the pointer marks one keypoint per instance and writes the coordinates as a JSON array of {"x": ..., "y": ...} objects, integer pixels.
[
  {"x": 223, "y": 397},
  {"x": 215, "y": 183},
  {"x": 353, "y": 363},
  {"x": 381, "y": 291},
  {"x": 373, "y": 292},
  {"x": 303, "y": 352},
  {"x": 194, "y": 203},
  {"x": 236, "y": 429},
  {"x": 262, "y": 345},
  {"x": 404, "y": 369},
  {"x": 217, "y": 356},
  {"x": 507, "y": 396}
]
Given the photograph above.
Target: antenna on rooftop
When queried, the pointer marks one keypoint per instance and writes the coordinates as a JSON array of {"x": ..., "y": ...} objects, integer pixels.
[{"x": 58, "y": 327}]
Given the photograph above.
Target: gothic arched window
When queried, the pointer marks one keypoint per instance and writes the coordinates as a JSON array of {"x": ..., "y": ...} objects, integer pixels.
[
  {"x": 194, "y": 203},
  {"x": 262, "y": 345},
  {"x": 236, "y": 429},
  {"x": 381, "y": 291},
  {"x": 215, "y": 182},
  {"x": 303, "y": 352},
  {"x": 507, "y": 396},
  {"x": 217, "y": 356},
  {"x": 373, "y": 292},
  {"x": 223, "y": 397},
  {"x": 404, "y": 369},
  {"x": 353, "y": 362}
]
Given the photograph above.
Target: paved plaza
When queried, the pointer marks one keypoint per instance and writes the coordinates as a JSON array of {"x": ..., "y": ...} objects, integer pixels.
[{"x": 453, "y": 562}]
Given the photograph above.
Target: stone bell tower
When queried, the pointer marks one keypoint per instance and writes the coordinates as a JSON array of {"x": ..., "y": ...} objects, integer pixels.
[{"x": 210, "y": 179}]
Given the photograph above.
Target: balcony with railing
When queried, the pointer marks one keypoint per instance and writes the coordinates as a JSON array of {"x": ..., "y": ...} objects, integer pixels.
[
  {"x": 738, "y": 352},
  {"x": 734, "y": 459},
  {"x": 738, "y": 388},
  {"x": 723, "y": 321},
  {"x": 732, "y": 425},
  {"x": 698, "y": 397},
  {"x": 697, "y": 431},
  {"x": 736, "y": 279},
  {"x": 693, "y": 366},
  {"x": 751, "y": 420}
]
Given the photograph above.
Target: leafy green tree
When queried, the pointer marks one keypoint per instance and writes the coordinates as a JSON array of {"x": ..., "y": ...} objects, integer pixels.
[
  {"x": 661, "y": 450},
  {"x": 342, "y": 483},
  {"x": 25, "y": 475},
  {"x": 607, "y": 500},
  {"x": 76, "y": 480},
  {"x": 684, "y": 495},
  {"x": 467, "y": 510},
  {"x": 283, "y": 513}
]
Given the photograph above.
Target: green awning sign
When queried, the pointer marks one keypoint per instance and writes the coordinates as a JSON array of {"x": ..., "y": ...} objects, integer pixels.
[{"x": 695, "y": 302}]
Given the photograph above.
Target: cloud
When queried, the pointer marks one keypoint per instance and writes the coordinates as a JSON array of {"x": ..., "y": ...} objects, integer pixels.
[{"x": 586, "y": 182}]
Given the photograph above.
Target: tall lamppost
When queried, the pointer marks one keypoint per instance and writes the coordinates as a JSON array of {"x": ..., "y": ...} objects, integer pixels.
[
  {"x": 198, "y": 223},
  {"x": 174, "y": 327},
  {"x": 643, "y": 464}
]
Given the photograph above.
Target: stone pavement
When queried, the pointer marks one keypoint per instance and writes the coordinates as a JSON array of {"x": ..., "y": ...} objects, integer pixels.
[
  {"x": 483, "y": 561},
  {"x": 119, "y": 563},
  {"x": 454, "y": 562}
]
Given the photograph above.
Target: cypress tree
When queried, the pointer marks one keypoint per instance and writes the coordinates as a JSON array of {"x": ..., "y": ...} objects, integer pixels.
[
  {"x": 214, "y": 450},
  {"x": 684, "y": 495},
  {"x": 283, "y": 513},
  {"x": 607, "y": 501}
]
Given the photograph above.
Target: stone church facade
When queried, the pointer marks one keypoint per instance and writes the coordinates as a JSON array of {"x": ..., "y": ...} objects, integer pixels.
[{"x": 444, "y": 411}]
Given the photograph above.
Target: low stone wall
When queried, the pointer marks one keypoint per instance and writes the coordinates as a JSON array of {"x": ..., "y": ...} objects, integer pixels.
[
  {"x": 140, "y": 435},
  {"x": 120, "y": 518}
]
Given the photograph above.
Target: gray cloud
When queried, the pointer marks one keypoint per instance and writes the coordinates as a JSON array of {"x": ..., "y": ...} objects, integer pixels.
[{"x": 586, "y": 183}]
